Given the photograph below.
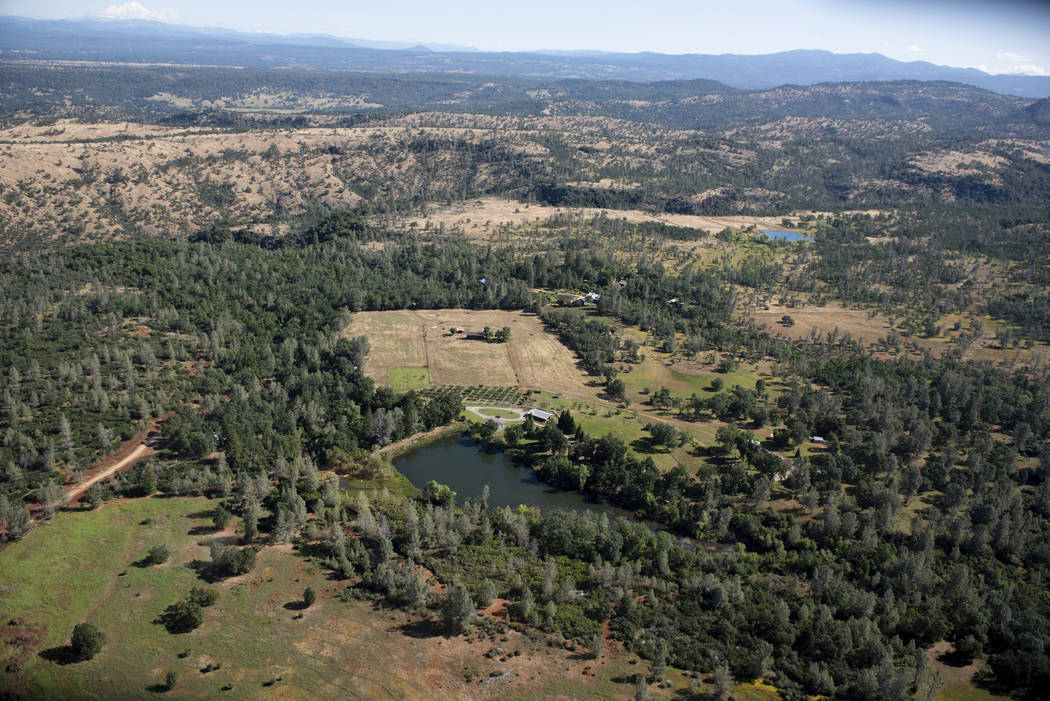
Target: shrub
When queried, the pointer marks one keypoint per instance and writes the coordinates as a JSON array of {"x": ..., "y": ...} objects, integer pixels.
[
  {"x": 86, "y": 641},
  {"x": 158, "y": 554},
  {"x": 221, "y": 518},
  {"x": 228, "y": 561},
  {"x": 203, "y": 597},
  {"x": 182, "y": 617}
]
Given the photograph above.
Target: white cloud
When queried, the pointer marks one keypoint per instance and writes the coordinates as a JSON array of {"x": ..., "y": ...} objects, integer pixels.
[
  {"x": 1027, "y": 69},
  {"x": 134, "y": 10},
  {"x": 1011, "y": 56},
  {"x": 916, "y": 49}
]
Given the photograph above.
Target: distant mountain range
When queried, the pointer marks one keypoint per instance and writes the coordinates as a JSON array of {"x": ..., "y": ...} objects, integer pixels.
[{"x": 154, "y": 42}]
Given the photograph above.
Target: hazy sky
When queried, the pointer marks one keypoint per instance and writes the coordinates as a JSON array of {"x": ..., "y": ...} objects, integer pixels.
[{"x": 996, "y": 36}]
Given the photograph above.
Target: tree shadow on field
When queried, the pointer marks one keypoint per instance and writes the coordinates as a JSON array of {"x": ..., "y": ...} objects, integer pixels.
[
  {"x": 625, "y": 679},
  {"x": 296, "y": 606},
  {"x": 426, "y": 628},
  {"x": 63, "y": 655},
  {"x": 204, "y": 570}
]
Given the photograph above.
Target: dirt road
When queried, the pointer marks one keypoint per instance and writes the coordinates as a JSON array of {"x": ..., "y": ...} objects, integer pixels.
[{"x": 141, "y": 451}]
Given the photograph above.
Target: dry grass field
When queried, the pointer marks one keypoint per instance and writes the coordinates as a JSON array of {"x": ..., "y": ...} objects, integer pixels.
[
  {"x": 860, "y": 324},
  {"x": 869, "y": 328},
  {"x": 421, "y": 339},
  {"x": 482, "y": 217}
]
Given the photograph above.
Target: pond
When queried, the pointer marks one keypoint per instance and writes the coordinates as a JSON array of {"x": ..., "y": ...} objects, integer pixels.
[
  {"x": 466, "y": 468},
  {"x": 785, "y": 235}
]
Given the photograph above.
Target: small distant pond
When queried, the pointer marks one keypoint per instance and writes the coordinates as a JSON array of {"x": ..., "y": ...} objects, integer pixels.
[
  {"x": 467, "y": 468},
  {"x": 785, "y": 235}
]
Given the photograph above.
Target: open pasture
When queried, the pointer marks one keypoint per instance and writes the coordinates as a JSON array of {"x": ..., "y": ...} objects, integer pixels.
[
  {"x": 423, "y": 340},
  {"x": 256, "y": 641}
]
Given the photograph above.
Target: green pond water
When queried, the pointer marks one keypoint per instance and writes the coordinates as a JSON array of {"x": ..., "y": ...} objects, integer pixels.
[{"x": 466, "y": 468}]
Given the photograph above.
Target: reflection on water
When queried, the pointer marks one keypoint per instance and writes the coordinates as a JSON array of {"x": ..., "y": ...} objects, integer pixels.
[{"x": 462, "y": 465}]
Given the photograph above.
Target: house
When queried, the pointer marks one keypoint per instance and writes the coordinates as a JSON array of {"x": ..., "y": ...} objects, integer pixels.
[
  {"x": 540, "y": 415},
  {"x": 817, "y": 439},
  {"x": 591, "y": 298}
]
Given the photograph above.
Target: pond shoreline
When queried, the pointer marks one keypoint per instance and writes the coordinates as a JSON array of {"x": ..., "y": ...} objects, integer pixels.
[
  {"x": 466, "y": 466},
  {"x": 420, "y": 440}
]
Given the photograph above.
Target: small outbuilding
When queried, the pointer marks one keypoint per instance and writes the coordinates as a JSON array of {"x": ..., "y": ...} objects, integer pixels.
[
  {"x": 475, "y": 336},
  {"x": 540, "y": 415}
]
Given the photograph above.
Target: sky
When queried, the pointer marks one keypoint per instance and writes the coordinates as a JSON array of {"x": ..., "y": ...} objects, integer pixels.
[{"x": 1004, "y": 36}]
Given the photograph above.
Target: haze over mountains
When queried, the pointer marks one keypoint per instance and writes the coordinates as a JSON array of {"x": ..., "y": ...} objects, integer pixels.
[{"x": 155, "y": 42}]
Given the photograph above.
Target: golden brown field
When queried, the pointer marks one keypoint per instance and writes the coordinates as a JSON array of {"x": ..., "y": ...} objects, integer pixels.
[
  {"x": 532, "y": 359},
  {"x": 479, "y": 218}
]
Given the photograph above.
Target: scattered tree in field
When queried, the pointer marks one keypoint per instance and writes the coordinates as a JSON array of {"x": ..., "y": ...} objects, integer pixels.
[
  {"x": 309, "y": 597},
  {"x": 221, "y": 518},
  {"x": 203, "y": 597},
  {"x": 486, "y": 594},
  {"x": 663, "y": 434},
  {"x": 457, "y": 610},
  {"x": 182, "y": 617},
  {"x": 171, "y": 679},
  {"x": 86, "y": 641},
  {"x": 659, "y": 666},
  {"x": 229, "y": 561},
  {"x": 641, "y": 689},
  {"x": 157, "y": 554},
  {"x": 596, "y": 646},
  {"x": 723, "y": 682}
]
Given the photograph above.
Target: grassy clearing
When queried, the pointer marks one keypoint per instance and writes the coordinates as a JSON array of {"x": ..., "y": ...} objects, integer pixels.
[
  {"x": 958, "y": 681},
  {"x": 499, "y": 413},
  {"x": 629, "y": 426},
  {"x": 405, "y": 379},
  {"x": 335, "y": 650},
  {"x": 432, "y": 340},
  {"x": 682, "y": 378},
  {"x": 395, "y": 341}
]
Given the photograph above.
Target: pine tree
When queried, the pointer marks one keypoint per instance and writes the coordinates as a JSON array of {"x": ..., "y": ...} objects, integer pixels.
[{"x": 457, "y": 610}]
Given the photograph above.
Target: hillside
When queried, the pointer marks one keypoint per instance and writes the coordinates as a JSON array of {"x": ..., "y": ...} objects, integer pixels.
[
  {"x": 171, "y": 152},
  {"x": 153, "y": 42}
]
